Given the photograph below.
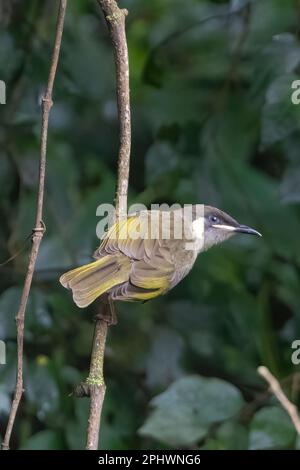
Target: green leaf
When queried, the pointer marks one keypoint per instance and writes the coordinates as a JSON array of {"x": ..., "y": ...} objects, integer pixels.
[
  {"x": 290, "y": 185},
  {"x": 160, "y": 159},
  {"x": 9, "y": 302},
  {"x": 4, "y": 402},
  {"x": 162, "y": 365},
  {"x": 183, "y": 414},
  {"x": 53, "y": 255},
  {"x": 41, "y": 389},
  {"x": 75, "y": 428},
  {"x": 271, "y": 428},
  {"x": 255, "y": 196},
  {"x": 42, "y": 440},
  {"x": 118, "y": 420},
  {"x": 38, "y": 315},
  {"x": 229, "y": 436},
  {"x": 280, "y": 116},
  {"x": 9, "y": 55}
]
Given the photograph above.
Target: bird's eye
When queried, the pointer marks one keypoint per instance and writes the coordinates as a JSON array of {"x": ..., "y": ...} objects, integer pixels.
[{"x": 213, "y": 219}]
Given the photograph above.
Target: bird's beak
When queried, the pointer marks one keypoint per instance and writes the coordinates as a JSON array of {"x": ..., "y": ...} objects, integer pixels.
[
  {"x": 239, "y": 229},
  {"x": 246, "y": 229}
]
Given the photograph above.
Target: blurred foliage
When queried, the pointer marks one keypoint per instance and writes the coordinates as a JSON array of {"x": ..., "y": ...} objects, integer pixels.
[{"x": 212, "y": 122}]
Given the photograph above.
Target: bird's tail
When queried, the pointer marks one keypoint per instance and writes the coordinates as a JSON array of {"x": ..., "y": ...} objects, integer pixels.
[{"x": 94, "y": 279}]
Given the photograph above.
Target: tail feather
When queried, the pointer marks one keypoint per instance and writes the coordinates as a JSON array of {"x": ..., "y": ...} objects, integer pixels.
[{"x": 94, "y": 279}]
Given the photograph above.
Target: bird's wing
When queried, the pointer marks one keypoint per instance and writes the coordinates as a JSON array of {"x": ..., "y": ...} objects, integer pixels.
[
  {"x": 152, "y": 260},
  {"x": 150, "y": 277},
  {"x": 131, "y": 237}
]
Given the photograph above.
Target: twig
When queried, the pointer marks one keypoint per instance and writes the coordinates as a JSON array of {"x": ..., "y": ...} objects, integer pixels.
[
  {"x": 244, "y": 13},
  {"x": 115, "y": 19},
  {"x": 275, "y": 387},
  {"x": 226, "y": 14},
  {"x": 39, "y": 228}
]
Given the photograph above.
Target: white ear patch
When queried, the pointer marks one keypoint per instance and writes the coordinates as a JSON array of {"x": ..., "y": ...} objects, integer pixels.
[{"x": 198, "y": 228}]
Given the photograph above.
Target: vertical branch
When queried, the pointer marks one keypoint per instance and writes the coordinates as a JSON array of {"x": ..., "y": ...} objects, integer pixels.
[
  {"x": 39, "y": 228},
  {"x": 115, "y": 19},
  {"x": 95, "y": 381}
]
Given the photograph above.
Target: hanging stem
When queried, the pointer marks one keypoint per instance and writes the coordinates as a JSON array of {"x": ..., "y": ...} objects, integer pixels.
[
  {"x": 115, "y": 19},
  {"x": 39, "y": 228}
]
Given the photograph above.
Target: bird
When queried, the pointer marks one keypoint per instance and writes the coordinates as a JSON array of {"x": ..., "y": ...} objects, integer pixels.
[{"x": 148, "y": 253}]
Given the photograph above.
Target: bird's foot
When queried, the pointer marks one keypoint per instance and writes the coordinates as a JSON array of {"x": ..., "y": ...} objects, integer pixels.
[{"x": 107, "y": 312}]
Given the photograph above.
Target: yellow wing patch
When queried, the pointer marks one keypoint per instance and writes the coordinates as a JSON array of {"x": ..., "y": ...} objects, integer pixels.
[{"x": 91, "y": 280}]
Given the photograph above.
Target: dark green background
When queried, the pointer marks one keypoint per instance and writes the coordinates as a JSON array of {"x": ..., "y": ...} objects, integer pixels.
[{"x": 212, "y": 123}]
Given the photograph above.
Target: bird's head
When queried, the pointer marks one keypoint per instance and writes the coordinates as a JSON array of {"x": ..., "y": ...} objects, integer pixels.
[{"x": 219, "y": 226}]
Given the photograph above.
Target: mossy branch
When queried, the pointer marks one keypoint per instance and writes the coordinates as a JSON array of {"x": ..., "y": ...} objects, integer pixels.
[{"x": 95, "y": 384}]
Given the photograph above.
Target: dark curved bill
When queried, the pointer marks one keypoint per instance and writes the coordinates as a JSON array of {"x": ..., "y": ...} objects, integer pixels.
[{"x": 246, "y": 229}]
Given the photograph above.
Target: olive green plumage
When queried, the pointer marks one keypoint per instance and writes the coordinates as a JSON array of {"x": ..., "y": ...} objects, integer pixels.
[{"x": 147, "y": 254}]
